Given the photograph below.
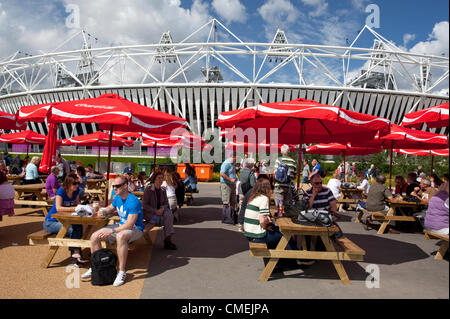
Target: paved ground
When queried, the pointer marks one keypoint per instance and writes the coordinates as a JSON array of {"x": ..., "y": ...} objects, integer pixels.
[{"x": 212, "y": 261}]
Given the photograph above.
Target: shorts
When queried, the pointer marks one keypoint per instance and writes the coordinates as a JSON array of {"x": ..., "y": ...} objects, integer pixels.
[
  {"x": 228, "y": 192},
  {"x": 135, "y": 234}
]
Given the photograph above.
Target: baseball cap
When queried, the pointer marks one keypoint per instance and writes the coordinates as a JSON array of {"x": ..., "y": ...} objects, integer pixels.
[{"x": 128, "y": 170}]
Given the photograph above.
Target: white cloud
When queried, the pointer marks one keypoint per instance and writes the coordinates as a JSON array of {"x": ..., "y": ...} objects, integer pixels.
[
  {"x": 230, "y": 10},
  {"x": 407, "y": 37},
  {"x": 437, "y": 42},
  {"x": 278, "y": 12},
  {"x": 319, "y": 5}
]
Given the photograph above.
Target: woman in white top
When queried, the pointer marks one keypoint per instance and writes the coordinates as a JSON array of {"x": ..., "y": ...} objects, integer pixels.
[
  {"x": 31, "y": 171},
  {"x": 170, "y": 185},
  {"x": 334, "y": 184}
]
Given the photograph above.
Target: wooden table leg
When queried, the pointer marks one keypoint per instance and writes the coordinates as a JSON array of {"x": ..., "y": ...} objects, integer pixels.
[
  {"x": 336, "y": 262},
  {"x": 442, "y": 250},
  {"x": 53, "y": 249},
  {"x": 386, "y": 221},
  {"x": 273, "y": 261}
]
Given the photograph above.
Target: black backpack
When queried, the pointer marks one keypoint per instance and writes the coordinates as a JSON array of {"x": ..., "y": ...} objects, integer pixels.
[{"x": 103, "y": 264}]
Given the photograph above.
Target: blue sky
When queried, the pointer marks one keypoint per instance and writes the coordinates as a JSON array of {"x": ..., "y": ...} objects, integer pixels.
[{"x": 34, "y": 26}]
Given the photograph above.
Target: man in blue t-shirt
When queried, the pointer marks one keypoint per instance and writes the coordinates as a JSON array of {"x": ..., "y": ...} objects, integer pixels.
[{"x": 129, "y": 229}]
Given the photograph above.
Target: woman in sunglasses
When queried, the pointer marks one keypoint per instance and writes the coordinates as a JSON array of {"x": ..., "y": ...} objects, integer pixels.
[{"x": 66, "y": 200}]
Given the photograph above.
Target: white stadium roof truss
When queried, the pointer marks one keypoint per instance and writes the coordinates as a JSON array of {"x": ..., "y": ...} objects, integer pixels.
[{"x": 33, "y": 79}]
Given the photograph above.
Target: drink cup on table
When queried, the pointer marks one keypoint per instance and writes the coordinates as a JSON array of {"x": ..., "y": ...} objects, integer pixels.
[{"x": 102, "y": 212}]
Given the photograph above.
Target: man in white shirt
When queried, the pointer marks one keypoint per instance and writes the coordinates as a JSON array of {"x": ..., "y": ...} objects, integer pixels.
[{"x": 334, "y": 184}]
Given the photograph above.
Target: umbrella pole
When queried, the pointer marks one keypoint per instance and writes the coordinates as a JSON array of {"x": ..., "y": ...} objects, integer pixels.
[
  {"x": 98, "y": 157},
  {"x": 108, "y": 166},
  {"x": 345, "y": 175},
  {"x": 154, "y": 155},
  {"x": 390, "y": 168},
  {"x": 300, "y": 153},
  {"x": 432, "y": 164}
]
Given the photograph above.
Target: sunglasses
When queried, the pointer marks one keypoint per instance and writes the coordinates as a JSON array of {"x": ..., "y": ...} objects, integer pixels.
[
  {"x": 75, "y": 183},
  {"x": 118, "y": 185}
]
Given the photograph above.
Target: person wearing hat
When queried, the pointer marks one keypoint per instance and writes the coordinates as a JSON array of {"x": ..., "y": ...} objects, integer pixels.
[{"x": 128, "y": 174}]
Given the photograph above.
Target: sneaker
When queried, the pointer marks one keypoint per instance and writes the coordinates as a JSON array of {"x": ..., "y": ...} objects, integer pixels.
[
  {"x": 120, "y": 279},
  {"x": 240, "y": 228},
  {"x": 359, "y": 208},
  {"x": 169, "y": 245},
  {"x": 87, "y": 274}
]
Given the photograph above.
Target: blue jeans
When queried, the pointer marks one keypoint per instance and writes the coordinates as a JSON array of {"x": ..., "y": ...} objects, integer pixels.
[
  {"x": 74, "y": 232},
  {"x": 272, "y": 238}
]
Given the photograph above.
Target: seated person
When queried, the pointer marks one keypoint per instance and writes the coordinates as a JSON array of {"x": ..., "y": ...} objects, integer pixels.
[
  {"x": 128, "y": 174},
  {"x": 170, "y": 186},
  {"x": 400, "y": 185},
  {"x": 91, "y": 174},
  {"x": 436, "y": 181},
  {"x": 412, "y": 183},
  {"x": 66, "y": 200},
  {"x": 81, "y": 173},
  {"x": 377, "y": 196},
  {"x": 51, "y": 184},
  {"x": 334, "y": 184},
  {"x": 436, "y": 218},
  {"x": 258, "y": 226},
  {"x": 190, "y": 181},
  {"x": 363, "y": 184},
  {"x": 141, "y": 181},
  {"x": 179, "y": 190},
  {"x": 320, "y": 197},
  {"x": 6, "y": 196},
  {"x": 129, "y": 229},
  {"x": 424, "y": 192},
  {"x": 31, "y": 171},
  {"x": 3, "y": 168},
  {"x": 156, "y": 209}
]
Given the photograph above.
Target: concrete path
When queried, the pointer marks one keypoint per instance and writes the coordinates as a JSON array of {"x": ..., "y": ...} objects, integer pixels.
[{"x": 213, "y": 261}]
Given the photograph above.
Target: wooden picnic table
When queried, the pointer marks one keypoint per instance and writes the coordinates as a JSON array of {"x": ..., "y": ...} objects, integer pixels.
[
  {"x": 95, "y": 183},
  {"x": 288, "y": 229},
  {"x": 66, "y": 219},
  {"x": 395, "y": 203},
  {"x": 138, "y": 194},
  {"x": 347, "y": 196},
  {"x": 36, "y": 189},
  {"x": 14, "y": 179}
]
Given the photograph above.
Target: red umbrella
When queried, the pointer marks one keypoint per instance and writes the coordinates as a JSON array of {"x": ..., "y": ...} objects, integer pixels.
[
  {"x": 8, "y": 122},
  {"x": 48, "y": 157},
  {"x": 253, "y": 147},
  {"x": 435, "y": 116},
  {"x": 126, "y": 134},
  {"x": 110, "y": 111},
  {"x": 341, "y": 149},
  {"x": 402, "y": 137},
  {"x": 306, "y": 121},
  {"x": 25, "y": 137},
  {"x": 443, "y": 152},
  {"x": 432, "y": 153},
  {"x": 98, "y": 138}
]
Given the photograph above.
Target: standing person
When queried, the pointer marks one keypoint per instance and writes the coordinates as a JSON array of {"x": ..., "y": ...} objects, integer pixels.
[
  {"x": 129, "y": 229},
  {"x": 247, "y": 182},
  {"x": 419, "y": 170},
  {"x": 66, "y": 200},
  {"x": 51, "y": 184},
  {"x": 31, "y": 171},
  {"x": 64, "y": 168},
  {"x": 340, "y": 171},
  {"x": 156, "y": 209},
  {"x": 353, "y": 169},
  {"x": 283, "y": 191},
  {"x": 179, "y": 191},
  {"x": 306, "y": 172},
  {"x": 228, "y": 179},
  {"x": 6, "y": 196},
  {"x": 316, "y": 168}
]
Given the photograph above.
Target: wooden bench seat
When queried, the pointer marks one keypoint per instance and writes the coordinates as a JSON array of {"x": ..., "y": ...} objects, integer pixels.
[
  {"x": 350, "y": 248},
  {"x": 39, "y": 238},
  {"x": 39, "y": 205},
  {"x": 444, "y": 246},
  {"x": 258, "y": 250}
]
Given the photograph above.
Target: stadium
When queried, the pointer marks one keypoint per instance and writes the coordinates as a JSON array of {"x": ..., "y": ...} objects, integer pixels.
[{"x": 212, "y": 70}]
